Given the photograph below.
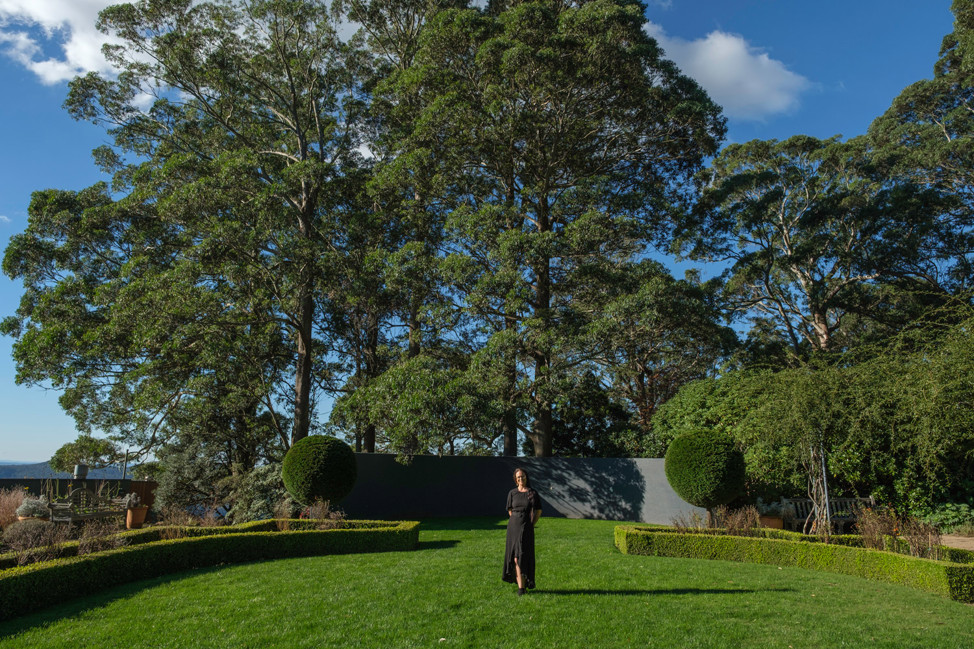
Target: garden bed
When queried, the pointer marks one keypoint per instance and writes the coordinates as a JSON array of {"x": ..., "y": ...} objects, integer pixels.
[
  {"x": 953, "y": 578},
  {"x": 150, "y": 554}
]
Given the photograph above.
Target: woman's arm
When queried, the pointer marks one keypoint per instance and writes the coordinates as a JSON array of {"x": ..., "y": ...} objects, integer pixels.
[{"x": 535, "y": 516}]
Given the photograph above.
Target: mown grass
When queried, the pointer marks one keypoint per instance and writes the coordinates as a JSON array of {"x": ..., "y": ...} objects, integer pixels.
[{"x": 449, "y": 594}]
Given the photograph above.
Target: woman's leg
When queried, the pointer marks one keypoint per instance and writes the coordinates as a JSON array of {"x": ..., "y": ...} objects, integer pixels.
[{"x": 517, "y": 571}]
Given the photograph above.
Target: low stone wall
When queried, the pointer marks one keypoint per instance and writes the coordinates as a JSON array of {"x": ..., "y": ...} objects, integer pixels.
[{"x": 618, "y": 489}]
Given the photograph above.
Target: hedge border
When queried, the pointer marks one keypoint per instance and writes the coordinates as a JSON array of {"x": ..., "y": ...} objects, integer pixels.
[
  {"x": 158, "y": 532},
  {"x": 28, "y": 588},
  {"x": 949, "y": 579}
]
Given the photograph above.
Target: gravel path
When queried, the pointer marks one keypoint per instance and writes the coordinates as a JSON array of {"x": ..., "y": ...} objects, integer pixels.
[{"x": 954, "y": 541}]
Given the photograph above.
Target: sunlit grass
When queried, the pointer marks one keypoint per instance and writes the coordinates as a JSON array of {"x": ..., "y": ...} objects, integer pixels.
[{"x": 449, "y": 594}]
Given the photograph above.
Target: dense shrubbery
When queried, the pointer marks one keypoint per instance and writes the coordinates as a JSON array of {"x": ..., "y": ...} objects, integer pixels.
[
  {"x": 34, "y": 540},
  {"x": 893, "y": 425},
  {"x": 953, "y": 579},
  {"x": 319, "y": 468},
  {"x": 149, "y": 554},
  {"x": 10, "y": 500},
  {"x": 260, "y": 494},
  {"x": 705, "y": 469}
]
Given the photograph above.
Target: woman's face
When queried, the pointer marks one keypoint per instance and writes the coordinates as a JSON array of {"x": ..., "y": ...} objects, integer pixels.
[{"x": 521, "y": 478}]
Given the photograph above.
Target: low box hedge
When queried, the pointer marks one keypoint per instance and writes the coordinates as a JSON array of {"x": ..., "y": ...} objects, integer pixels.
[
  {"x": 951, "y": 579},
  {"x": 28, "y": 588},
  {"x": 161, "y": 532}
]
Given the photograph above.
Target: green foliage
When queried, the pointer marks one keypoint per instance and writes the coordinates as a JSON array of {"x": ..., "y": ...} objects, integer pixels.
[
  {"x": 948, "y": 516},
  {"x": 34, "y": 507},
  {"x": 96, "y": 453},
  {"x": 319, "y": 468},
  {"x": 257, "y": 494},
  {"x": 891, "y": 425},
  {"x": 925, "y": 138},
  {"x": 948, "y": 579},
  {"x": 43, "y": 584},
  {"x": 814, "y": 236},
  {"x": 421, "y": 405},
  {"x": 705, "y": 468},
  {"x": 536, "y": 248}
]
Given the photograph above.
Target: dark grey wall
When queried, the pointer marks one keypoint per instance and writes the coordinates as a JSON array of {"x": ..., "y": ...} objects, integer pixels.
[{"x": 606, "y": 488}]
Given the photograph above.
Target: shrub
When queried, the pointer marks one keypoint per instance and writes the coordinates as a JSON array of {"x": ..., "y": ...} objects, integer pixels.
[
  {"x": 10, "y": 500},
  {"x": 35, "y": 540},
  {"x": 100, "y": 535},
  {"x": 738, "y": 522},
  {"x": 28, "y": 588},
  {"x": 954, "y": 580},
  {"x": 705, "y": 469},
  {"x": 874, "y": 525},
  {"x": 258, "y": 495},
  {"x": 319, "y": 468},
  {"x": 948, "y": 517},
  {"x": 36, "y": 507}
]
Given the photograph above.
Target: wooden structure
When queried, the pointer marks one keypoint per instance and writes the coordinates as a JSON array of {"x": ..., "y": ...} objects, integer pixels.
[
  {"x": 798, "y": 512},
  {"x": 83, "y": 505}
]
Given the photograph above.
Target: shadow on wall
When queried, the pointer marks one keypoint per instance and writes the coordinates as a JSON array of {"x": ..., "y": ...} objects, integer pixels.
[
  {"x": 621, "y": 489},
  {"x": 610, "y": 489}
]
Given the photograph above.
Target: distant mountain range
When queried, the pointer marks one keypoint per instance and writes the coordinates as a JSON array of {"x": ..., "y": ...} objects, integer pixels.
[{"x": 43, "y": 471}]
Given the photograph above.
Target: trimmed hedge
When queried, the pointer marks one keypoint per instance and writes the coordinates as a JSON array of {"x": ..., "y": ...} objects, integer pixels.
[
  {"x": 161, "y": 532},
  {"x": 954, "y": 580},
  {"x": 319, "y": 467},
  {"x": 28, "y": 588},
  {"x": 705, "y": 468}
]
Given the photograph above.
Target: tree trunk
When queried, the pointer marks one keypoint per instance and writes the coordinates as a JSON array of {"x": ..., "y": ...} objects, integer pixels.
[
  {"x": 302, "y": 378},
  {"x": 415, "y": 330},
  {"x": 371, "y": 369},
  {"x": 509, "y": 420},
  {"x": 542, "y": 357}
]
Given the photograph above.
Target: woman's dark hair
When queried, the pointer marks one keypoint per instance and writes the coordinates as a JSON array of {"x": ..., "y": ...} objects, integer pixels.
[{"x": 527, "y": 478}]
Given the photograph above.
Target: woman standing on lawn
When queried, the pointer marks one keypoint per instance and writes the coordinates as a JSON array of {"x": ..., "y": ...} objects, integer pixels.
[{"x": 523, "y": 510}]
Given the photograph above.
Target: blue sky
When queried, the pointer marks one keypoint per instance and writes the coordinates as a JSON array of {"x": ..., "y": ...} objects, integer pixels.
[{"x": 779, "y": 68}]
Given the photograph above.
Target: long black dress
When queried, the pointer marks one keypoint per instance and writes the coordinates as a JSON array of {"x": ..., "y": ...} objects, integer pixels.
[{"x": 520, "y": 535}]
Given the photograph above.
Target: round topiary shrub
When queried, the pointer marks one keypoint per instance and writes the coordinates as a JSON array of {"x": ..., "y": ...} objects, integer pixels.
[
  {"x": 319, "y": 468},
  {"x": 705, "y": 469}
]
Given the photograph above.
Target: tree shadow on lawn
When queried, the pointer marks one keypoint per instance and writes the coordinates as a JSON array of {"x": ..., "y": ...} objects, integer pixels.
[
  {"x": 437, "y": 545},
  {"x": 75, "y": 607},
  {"x": 462, "y": 524},
  {"x": 663, "y": 591}
]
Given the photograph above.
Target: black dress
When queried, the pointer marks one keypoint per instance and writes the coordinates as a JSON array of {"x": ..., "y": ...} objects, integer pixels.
[{"x": 520, "y": 535}]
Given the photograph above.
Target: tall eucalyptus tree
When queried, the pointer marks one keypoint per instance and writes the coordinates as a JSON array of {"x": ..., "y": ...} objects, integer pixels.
[
  {"x": 238, "y": 117},
  {"x": 576, "y": 140}
]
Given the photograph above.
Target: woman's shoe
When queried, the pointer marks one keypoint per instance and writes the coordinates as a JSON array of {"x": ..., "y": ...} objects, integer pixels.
[{"x": 521, "y": 591}]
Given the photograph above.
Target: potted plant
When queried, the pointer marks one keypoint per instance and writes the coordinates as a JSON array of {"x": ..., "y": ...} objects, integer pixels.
[
  {"x": 135, "y": 511},
  {"x": 34, "y": 508},
  {"x": 770, "y": 514}
]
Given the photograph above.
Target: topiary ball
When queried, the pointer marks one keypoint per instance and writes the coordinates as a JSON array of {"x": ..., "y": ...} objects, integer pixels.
[
  {"x": 319, "y": 468},
  {"x": 704, "y": 468}
]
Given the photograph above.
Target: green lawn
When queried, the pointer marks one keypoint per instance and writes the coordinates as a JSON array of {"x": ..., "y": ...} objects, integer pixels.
[{"x": 449, "y": 594}]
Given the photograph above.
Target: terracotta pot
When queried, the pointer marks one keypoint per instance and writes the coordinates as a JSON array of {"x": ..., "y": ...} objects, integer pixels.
[
  {"x": 773, "y": 522},
  {"x": 135, "y": 517},
  {"x": 40, "y": 518}
]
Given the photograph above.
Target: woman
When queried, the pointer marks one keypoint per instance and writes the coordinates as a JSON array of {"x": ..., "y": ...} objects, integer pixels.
[{"x": 523, "y": 510}]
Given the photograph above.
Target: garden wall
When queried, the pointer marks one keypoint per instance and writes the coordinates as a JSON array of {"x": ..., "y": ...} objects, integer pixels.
[{"x": 605, "y": 488}]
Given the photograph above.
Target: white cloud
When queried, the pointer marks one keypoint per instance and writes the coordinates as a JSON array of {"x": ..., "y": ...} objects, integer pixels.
[
  {"x": 748, "y": 83},
  {"x": 4, "y": 219},
  {"x": 27, "y": 25}
]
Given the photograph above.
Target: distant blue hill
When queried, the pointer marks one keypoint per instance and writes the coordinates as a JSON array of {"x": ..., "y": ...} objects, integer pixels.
[{"x": 43, "y": 471}]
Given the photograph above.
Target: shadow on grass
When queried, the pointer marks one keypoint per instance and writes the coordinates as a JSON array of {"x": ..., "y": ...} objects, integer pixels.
[
  {"x": 436, "y": 545},
  {"x": 463, "y": 524},
  {"x": 663, "y": 591},
  {"x": 99, "y": 599}
]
